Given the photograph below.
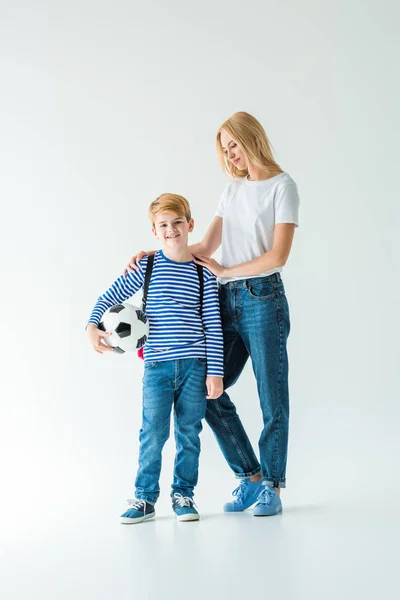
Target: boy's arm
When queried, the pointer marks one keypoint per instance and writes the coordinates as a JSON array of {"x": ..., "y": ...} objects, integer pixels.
[
  {"x": 212, "y": 327},
  {"x": 122, "y": 289}
]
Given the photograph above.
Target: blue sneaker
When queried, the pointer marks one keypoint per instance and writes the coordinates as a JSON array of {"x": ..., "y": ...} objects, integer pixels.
[
  {"x": 138, "y": 511},
  {"x": 268, "y": 502},
  {"x": 184, "y": 508},
  {"x": 245, "y": 495}
]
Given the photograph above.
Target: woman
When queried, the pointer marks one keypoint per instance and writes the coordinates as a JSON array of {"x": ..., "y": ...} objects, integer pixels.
[{"x": 255, "y": 223}]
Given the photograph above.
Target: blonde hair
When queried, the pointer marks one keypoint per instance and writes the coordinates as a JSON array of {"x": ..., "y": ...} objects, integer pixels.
[
  {"x": 251, "y": 137},
  {"x": 170, "y": 203}
]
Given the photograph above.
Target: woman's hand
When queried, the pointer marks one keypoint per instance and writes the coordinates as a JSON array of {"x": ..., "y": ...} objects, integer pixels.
[
  {"x": 211, "y": 264},
  {"x": 95, "y": 337},
  {"x": 215, "y": 387},
  {"x": 131, "y": 267}
]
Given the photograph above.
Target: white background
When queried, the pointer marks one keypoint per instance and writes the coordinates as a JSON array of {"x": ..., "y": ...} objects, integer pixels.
[{"x": 105, "y": 105}]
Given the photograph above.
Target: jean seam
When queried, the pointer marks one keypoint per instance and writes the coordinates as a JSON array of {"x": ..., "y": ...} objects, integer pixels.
[
  {"x": 176, "y": 377},
  {"x": 278, "y": 423}
]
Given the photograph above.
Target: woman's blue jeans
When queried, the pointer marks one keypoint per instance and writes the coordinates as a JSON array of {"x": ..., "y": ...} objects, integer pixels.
[{"x": 256, "y": 323}]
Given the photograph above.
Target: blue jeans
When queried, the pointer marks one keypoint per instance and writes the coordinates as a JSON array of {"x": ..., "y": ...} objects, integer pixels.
[
  {"x": 180, "y": 384},
  {"x": 256, "y": 323}
]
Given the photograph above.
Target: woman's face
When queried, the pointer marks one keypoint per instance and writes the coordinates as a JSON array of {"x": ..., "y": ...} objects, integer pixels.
[{"x": 233, "y": 151}]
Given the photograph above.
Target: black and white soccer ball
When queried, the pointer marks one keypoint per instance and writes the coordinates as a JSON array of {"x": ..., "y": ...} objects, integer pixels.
[{"x": 128, "y": 325}]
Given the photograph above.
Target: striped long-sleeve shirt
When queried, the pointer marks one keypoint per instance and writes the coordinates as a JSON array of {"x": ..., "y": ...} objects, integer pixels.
[{"x": 177, "y": 329}]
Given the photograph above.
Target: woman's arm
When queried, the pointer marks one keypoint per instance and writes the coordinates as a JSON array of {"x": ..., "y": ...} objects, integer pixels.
[
  {"x": 276, "y": 257},
  {"x": 211, "y": 241},
  {"x": 208, "y": 245}
]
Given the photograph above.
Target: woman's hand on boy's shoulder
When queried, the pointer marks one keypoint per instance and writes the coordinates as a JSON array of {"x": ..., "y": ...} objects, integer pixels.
[
  {"x": 96, "y": 339},
  {"x": 215, "y": 387},
  {"x": 131, "y": 267},
  {"x": 211, "y": 264}
]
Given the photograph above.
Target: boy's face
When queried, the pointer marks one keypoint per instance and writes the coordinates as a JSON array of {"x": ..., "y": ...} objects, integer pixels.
[{"x": 172, "y": 230}]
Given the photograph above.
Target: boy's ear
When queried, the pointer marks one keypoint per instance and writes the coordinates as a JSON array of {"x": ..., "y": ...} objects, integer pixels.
[
  {"x": 154, "y": 232},
  {"x": 191, "y": 225}
]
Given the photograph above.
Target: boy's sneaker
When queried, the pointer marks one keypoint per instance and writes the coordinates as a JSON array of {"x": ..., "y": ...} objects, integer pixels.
[
  {"x": 184, "y": 508},
  {"x": 268, "y": 502},
  {"x": 245, "y": 495},
  {"x": 138, "y": 511}
]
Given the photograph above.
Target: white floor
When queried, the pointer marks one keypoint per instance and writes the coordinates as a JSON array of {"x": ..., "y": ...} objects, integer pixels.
[{"x": 310, "y": 551}]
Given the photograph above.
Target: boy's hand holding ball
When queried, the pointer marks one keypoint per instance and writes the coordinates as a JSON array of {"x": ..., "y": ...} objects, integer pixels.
[{"x": 95, "y": 337}]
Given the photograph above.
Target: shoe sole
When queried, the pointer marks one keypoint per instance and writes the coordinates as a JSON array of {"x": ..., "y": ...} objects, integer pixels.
[
  {"x": 271, "y": 515},
  {"x": 128, "y": 521},
  {"x": 227, "y": 510},
  {"x": 184, "y": 518}
]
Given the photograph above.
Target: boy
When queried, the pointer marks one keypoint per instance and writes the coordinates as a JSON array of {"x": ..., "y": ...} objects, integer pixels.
[{"x": 183, "y": 357}]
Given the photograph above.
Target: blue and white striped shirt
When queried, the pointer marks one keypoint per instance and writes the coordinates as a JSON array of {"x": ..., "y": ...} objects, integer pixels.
[{"x": 177, "y": 330}]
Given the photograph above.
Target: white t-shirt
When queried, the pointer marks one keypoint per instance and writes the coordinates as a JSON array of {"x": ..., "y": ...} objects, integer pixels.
[{"x": 250, "y": 211}]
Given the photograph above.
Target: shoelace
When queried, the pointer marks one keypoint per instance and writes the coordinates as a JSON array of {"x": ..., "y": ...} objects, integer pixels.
[
  {"x": 265, "y": 495},
  {"x": 183, "y": 500},
  {"x": 240, "y": 489},
  {"x": 137, "y": 504}
]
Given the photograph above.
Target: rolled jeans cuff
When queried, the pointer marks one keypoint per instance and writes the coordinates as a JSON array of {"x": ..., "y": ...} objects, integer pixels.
[
  {"x": 276, "y": 483},
  {"x": 246, "y": 475}
]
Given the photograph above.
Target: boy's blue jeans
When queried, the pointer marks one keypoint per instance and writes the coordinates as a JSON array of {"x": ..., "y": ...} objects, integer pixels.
[
  {"x": 178, "y": 384},
  {"x": 256, "y": 323}
]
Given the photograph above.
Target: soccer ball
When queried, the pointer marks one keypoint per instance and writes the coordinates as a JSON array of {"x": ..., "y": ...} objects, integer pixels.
[{"x": 128, "y": 325}]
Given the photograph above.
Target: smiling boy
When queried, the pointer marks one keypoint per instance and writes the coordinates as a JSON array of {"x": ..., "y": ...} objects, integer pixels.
[{"x": 183, "y": 357}]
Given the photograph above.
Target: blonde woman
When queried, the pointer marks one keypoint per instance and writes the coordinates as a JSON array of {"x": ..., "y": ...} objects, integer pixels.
[{"x": 255, "y": 223}]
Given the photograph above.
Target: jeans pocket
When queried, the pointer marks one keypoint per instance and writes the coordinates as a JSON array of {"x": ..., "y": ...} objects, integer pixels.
[
  {"x": 151, "y": 364},
  {"x": 201, "y": 360},
  {"x": 261, "y": 290}
]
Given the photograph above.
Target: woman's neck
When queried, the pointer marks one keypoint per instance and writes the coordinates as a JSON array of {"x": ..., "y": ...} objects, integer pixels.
[{"x": 258, "y": 174}]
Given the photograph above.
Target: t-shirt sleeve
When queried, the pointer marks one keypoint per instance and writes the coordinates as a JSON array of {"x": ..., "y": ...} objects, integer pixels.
[
  {"x": 222, "y": 203},
  {"x": 212, "y": 326},
  {"x": 122, "y": 289},
  {"x": 287, "y": 204}
]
